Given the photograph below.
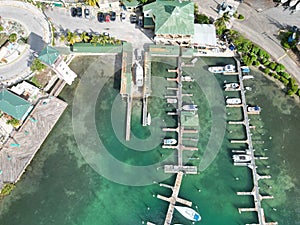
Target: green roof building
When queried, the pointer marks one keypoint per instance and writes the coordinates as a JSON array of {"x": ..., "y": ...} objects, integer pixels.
[
  {"x": 14, "y": 105},
  {"x": 173, "y": 21},
  {"x": 48, "y": 55}
]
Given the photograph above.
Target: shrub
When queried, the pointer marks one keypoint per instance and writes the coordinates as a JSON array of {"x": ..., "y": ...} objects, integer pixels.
[
  {"x": 266, "y": 70},
  {"x": 263, "y": 60},
  {"x": 14, "y": 122},
  {"x": 263, "y": 54},
  {"x": 298, "y": 92},
  {"x": 37, "y": 65},
  {"x": 272, "y": 65},
  {"x": 202, "y": 19},
  {"x": 267, "y": 63},
  {"x": 290, "y": 92},
  {"x": 256, "y": 63},
  {"x": 285, "y": 81},
  {"x": 273, "y": 75},
  {"x": 1, "y": 28},
  {"x": 277, "y": 76},
  {"x": 12, "y": 37},
  {"x": 285, "y": 75},
  {"x": 255, "y": 49},
  {"x": 279, "y": 67},
  {"x": 241, "y": 17}
]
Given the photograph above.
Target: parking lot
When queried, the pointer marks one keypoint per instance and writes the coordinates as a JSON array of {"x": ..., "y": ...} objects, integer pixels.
[{"x": 120, "y": 29}]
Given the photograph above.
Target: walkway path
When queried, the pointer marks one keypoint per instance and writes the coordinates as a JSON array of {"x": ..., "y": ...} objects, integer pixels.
[{"x": 36, "y": 24}]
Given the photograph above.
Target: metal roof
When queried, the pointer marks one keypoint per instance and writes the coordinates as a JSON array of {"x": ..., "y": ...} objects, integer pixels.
[
  {"x": 172, "y": 17},
  {"x": 48, "y": 55},
  {"x": 13, "y": 105},
  {"x": 205, "y": 34}
]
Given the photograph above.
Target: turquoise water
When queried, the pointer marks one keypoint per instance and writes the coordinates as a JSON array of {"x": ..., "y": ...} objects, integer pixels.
[{"x": 59, "y": 187}]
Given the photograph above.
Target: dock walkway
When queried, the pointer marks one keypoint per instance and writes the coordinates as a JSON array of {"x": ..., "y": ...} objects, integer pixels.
[
  {"x": 23, "y": 144},
  {"x": 255, "y": 176}
]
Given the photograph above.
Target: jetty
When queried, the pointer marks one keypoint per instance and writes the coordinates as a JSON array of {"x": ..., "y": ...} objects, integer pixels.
[
  {"x": 24, "y": 142},
  {"x": 250, "y": 151}
]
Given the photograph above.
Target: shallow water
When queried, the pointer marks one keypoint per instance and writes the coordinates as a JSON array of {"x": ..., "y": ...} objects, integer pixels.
[{"x": 59, "y": 187}]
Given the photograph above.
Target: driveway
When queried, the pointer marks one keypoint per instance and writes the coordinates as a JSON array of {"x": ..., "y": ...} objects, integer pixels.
[
  {"x": 39, "y": 34},
  {"x": 122, "y": 30},
  {"x": 261, "y": 27}
]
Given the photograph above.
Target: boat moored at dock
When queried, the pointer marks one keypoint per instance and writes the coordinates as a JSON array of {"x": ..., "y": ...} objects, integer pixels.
[
  {"x": 233, "y": 101},
  {"x": 188, "y": 213},
  {"x": 253, "y": 109},
  {"x": 190, "y": 107},
  {"x": 247, "y": 77},
  {"x": 170, "y": 141},
  {"x": 231, "y": 86},
  {"x": 222, "y": 69},
  {"x": 245, "y": 69},
  {"x": 241, "y": 158},
  {"x": 139, "y": 74}
]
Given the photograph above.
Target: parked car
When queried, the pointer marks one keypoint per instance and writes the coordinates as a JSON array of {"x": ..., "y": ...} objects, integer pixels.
[
  {"x": 100, "y": 17},
  {"x": 112, "y": 16},
  {"x": 87, "y": 13},
  {"x": 106, "y": 34},
  {"x": 133, "y": 18},
  {"x": 73, "y": 11},
  {"x": 122, "y": 16},
  {"x": 79, "y": 11},
  {"x": 140, "y": 22}
]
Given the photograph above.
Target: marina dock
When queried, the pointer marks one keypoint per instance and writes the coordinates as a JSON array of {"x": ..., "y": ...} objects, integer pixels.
[
  {"x": 255, "y": 176},
  {"x": 24, "y": 143}
]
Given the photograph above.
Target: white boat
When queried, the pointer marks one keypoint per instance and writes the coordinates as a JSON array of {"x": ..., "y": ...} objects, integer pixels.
[
  {"x": 297, "y": 7},
  {"x": 231, "y": 86},
  {"x": 148, "y": 119},
  {"x": 171, "y": 100},
  {"x": 171, "y": 141},
  {"x": 187, "y": 78},
  {"x": 190, "y": 107},
  {"x": 254, "y": 109},
  {"x": 247, "y": 77},
  {"x": 139, "y": 74},
  {"x": 233, "y": 101},
  {"x": 293, "y": 3},
  {"x": 245, "y": 69},
  {"x": 248, "y": 88},
  {"x": 284, "y": 1},
  {"x": 222, "y": 69},
  {"x": 241, "y": 158},
  {"x": 188, "y": 213}
]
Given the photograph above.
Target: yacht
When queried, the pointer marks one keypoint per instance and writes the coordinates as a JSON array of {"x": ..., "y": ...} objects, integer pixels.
[
  {"x": 148, "y": 119},
  {"x": 190, "y": 107},
  {"x": 171, "y": 141},
  {"x": 293, "y": 3},
  {"x": 297, "y": 8},
  {"x": 231, "y": 86},
  {"x": 241, "y": 158},
  {"x": 222, "y": 69},
  {"x": 188, "y": 213},
  {"x": 139, "y": 74},
  {"x": 233, "y": 101}
]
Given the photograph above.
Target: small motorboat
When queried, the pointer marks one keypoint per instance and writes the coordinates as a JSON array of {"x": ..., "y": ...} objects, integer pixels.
[
  {"x": 222, "y": 69},
  {"x": 231, "y": 86},
  {"x": 171, "y": 141},
  {"x": 190, "y": 107},
  {"x": 293, "y": 3},
  {"x": 241, "y": 158},
  {"x": 253, "y": 109},
  {"x": 148, "y": 119},
  {"x": 188, "y": 213},
  {"x": 233, "y": 101},
  {"x": 245, "y": 69}
]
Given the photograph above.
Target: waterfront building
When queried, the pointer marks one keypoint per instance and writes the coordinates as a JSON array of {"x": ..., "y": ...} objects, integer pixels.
[
  {"x": 173, "y": 21},
  {"x": 14, "y": 106},
  {"x": 51, "y": 57}
]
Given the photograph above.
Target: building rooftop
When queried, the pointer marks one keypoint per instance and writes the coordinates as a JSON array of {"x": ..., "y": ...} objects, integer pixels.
[
  {"x": 205, "y": 34},
  {"x": 171, "y": 17},
  {"x": 14, "y": 105},
  {"x": 48, "y": 55}
]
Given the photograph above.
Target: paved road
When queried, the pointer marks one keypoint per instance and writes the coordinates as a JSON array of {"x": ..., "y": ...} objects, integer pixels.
[
  {"x": 261, "y": 27},
  {"x": 36, "y": 25},
  {"x": 121, "y": 30}
]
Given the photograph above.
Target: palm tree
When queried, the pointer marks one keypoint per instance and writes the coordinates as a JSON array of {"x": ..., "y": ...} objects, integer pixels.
[
  {"x": 72, "y": 37},
  {"x": 84, "y": 37},
  {"x": 226, "y": 17},
  {"x": 95, "y": 39},
  {"x": 118, "y": 42},
  {"x": 112, "y": 41},
  {"x": 91, "y": 2}
]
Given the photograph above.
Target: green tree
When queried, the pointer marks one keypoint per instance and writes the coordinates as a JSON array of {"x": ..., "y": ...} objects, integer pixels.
[
  {"x": 272, "y": 65},
  {"x": 72, "y": 37},
  {"x": 266, "y": 70},
  {"x": 91, "y": 2},
  {"x": 94, "y": 39},
  {"x": 279, "y": 67},
  {"x": 12, "y": 37},
  {"x": 37, "y": 65},
  {"x": 14, "y": 122},
  {"x": 84, "y": 37}
]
